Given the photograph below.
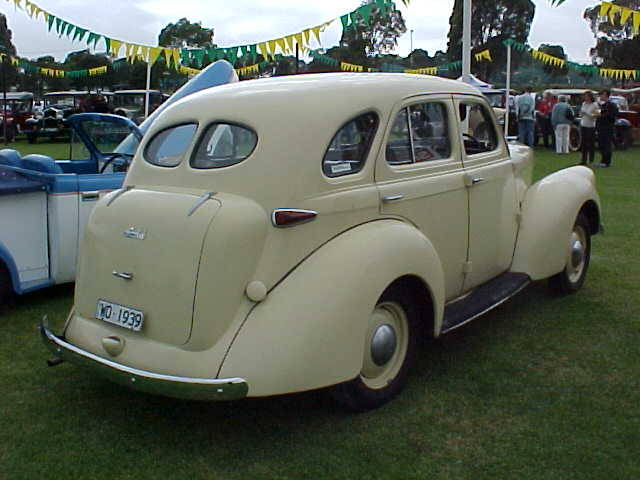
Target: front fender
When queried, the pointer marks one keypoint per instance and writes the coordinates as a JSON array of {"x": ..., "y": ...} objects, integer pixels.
[
  {"x": 549, "y": 211},
  {"x": 309, "y": 332}
]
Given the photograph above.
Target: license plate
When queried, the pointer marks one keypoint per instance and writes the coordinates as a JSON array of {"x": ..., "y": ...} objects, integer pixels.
[{"x": 126, "y": 317}]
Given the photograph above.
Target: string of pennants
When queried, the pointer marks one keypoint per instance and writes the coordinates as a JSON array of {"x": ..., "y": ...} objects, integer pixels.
[
  {"x": 485, "y": 55},
  {"x": 287, "y": 45},
  {"x": 614, "y": 73},
  {"x": 53, "y": 72},
  {"x": 174, "y": 57},
  {"x": 624, "y": 15}
]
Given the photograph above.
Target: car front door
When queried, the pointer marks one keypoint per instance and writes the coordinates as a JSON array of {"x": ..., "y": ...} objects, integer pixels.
[
  {"x": 490, "y": 181},
  {"x": 420, "y": 179}
]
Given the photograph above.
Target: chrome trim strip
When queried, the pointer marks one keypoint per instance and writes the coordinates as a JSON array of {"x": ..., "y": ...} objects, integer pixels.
[
  {"x": 392, "y": 198},
  {"x": 201, "y": 201},
  {"x": 123, "y": 275},
  {"x": 495, "y": 305},
  {"x": 120, "y": 192},
  {"x": 295, "y": 210}
]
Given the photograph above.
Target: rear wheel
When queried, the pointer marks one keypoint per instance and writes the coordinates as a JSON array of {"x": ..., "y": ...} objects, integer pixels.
[
  {"x": 571, "y": 279},
  {"x": 389, "y": 351}
]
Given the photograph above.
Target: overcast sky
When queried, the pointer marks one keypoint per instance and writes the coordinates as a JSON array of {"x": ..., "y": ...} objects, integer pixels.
[{"x": 241, "y": 22}]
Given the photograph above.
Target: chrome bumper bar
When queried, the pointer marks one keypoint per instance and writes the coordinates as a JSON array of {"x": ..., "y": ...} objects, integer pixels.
[{"x": 156, "y": 383}]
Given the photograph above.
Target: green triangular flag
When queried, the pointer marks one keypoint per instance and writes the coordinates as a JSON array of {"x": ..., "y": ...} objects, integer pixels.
[
  {"x": 51, "y": 20},
  {"x": 81, "y": 33},
  {"x": 184, "y": 56},
  {"x": 244, "y": 49},
  {"x": 93, "y": 38},
  {"x": 69, "y": 29},
  {"x": 107, "y": 44},
  {"x": 63, "y": 28},
  {"x": 253, "y": 51},
  {"x": 345, "y": 21},
  {"x": 198, "y": 56},
  {"x": 232, "y": 55},
  {"x": 365, "y": 12},
  {"x": 58, "y": 23},
  {"x": 354, "y": 18}
]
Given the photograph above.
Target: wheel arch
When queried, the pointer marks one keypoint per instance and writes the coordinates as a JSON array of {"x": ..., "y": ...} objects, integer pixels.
[
  {"x": 422, "y": 295},
  {"x": 7, "y": 262},
  {"x": 309, "y": 332},
  {"x": 591, "y": 210}
]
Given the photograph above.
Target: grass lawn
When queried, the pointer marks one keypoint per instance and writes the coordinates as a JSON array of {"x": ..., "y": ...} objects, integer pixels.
[{"x": 540, "y": 388}]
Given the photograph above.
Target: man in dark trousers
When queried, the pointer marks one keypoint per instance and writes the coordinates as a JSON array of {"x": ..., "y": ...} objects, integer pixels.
[{"x": 606, "y": 126}]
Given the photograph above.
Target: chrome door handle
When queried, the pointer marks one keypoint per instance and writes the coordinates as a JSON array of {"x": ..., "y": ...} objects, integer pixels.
[
  {"x": 123, "y": 275},
  {"x": 392, "y": 198},
  {"x": 477, "y": 180},
  {"x": 90, "y": 196}
]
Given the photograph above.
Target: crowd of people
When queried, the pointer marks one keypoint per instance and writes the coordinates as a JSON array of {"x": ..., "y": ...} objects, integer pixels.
[{"x": 554, "y": 117}]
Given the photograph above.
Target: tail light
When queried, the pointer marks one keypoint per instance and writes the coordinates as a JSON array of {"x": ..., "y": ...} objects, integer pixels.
[{"x": 289, "y": 217}]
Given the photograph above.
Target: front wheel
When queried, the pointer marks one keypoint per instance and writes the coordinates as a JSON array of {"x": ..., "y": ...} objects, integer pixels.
[
  {"x": 571, "y": 279},
  {"x": 389, "y": 350}
]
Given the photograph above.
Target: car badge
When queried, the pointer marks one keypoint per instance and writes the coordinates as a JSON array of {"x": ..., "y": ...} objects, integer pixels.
[{"x": 131, "y": 232}]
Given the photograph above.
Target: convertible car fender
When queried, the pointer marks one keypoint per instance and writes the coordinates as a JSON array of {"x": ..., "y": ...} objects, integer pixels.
[
  {"x": 309, "y": 332},
  {"x": 549, "y": 210}
]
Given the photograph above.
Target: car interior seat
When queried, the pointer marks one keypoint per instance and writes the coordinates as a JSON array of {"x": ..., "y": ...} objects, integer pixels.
[
  {"x": 40, "y": 163},
  {"x": 10, "y": 157}
]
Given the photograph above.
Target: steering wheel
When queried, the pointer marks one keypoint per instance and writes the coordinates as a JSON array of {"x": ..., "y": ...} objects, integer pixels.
[
  {"x": 111, "y": 158},
  {"x": 472, "y": 139}
]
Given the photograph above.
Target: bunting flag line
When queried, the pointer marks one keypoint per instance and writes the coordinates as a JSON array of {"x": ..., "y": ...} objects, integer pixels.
[
  {"x": 617, "y": 13},
  {"x": 424, "y": 71},
  {"x": 63, "y": 28},
  {"x": 287, "y": 45},
  {"x": 55, "y": 72},
  {"x": 614, "y": 73}
]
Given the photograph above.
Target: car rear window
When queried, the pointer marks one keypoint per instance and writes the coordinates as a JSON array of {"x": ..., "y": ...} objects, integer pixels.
[
  {"x": 349, "y": 147},
  {"x": 223, "y": 145},
  {"x": 168, "y": 147}
]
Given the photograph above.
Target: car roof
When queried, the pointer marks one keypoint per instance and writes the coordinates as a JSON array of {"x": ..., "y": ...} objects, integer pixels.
[
  {"x": 118, "y": 92},
  {"x": 17, "y": 95},
  {"x": 568, "y": 91}
]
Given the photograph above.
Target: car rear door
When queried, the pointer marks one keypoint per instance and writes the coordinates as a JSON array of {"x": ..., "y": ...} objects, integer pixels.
[
  {"x": 492, "y": 192},
  {"x": 420, "y": 179}
]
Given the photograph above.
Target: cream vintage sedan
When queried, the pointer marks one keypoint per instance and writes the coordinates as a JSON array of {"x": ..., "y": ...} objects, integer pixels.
[{"x": 289, "y": 234}]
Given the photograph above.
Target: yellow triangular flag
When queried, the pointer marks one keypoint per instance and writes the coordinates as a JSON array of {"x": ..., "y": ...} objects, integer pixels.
[
  {"x": 290, "y": 43},
  {"x": 299, "y": 40},
  {"x": 283, "y": 45},
  {"x": 175, "y": 53},
  {"x": 145, "y": 53},
  {"x": 262, "y": 48},
  {"x": 115, "y": 48},
  {"x": 612, "y": 12},
  {"x": 624, "y": 17},
  {"x": 272, "y": 47},
  {"x": 316, "y": 33},
  {"x": 604, "y": 9},
  {"x": 636, "y": 23},
  {"x": 307, "y": 36},
  {"x": 154, "y": 53}
]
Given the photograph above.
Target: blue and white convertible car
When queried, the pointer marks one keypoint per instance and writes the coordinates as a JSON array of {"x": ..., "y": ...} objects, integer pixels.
[{"x": 45, "y": 204}]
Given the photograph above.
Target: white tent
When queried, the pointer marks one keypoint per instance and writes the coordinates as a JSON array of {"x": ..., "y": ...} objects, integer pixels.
[{"x": 476, "y": 82}]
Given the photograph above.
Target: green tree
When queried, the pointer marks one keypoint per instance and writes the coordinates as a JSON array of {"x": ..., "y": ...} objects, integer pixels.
[
  {"x": 7, "y": 47},
  {"x": 377, "y": 37},
  {"x": 183, "y": 33},
  {"x": 492, "y": 22},
  {"x": 553, "y": 72}
]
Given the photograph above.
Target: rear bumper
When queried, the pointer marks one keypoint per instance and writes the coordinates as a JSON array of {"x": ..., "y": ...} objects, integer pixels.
[{"x": 155, "y": 383}]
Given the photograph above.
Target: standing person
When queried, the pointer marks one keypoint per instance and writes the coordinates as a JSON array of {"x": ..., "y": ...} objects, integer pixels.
[
  {"x": 561, "y": 118},
  {"x": 545, "y": 107},
  {"x": 590, "y": 111},
  {"x": 525, "y": 110},
  {"x": 605, "y": 126}
]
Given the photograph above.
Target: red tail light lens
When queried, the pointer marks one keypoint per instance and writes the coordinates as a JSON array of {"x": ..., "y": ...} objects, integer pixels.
[{"x": 289, "y": 217}]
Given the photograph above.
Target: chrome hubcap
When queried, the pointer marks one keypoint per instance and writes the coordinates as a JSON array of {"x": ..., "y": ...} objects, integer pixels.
[
  {"x": 577, "y": 254},
  {"x": 383, "y": 344}
]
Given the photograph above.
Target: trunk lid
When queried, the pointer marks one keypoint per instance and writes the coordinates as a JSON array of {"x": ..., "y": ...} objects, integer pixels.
[{"x": 155, "y": 236}]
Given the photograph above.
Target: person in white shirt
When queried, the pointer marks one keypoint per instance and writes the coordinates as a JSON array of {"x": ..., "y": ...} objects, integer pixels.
[{"x": 590, "y": 111}]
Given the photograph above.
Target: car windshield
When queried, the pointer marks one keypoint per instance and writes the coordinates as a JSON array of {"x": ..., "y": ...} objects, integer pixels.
[
  {"x": 15, "y": 106},
  {"x": 59, "y": 100},
  {"x": 495, "y": 99},
  {"x": 107, "y": 137},
  {"x": 135, "y": 100}
]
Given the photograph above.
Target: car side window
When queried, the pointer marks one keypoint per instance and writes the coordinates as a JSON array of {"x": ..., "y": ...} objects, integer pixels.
[
  {"x": 350, "y": 146},
  {"x": 477, "y": 128},
  {"x": 168, "y": 147},
  {"x": 223, "y": 145},
  {"x": 420, "y": 133}
]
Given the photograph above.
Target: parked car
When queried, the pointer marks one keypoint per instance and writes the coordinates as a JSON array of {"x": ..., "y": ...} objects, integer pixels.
[
  {"x": 44, "y": 204},
  {"x": 19, "y": 109},
  {"x": 295, "y": 233},
  {"x": 59, "y": 106},
  {"x": 496, "y": 98},
  {"x": 131, "y": 103}
]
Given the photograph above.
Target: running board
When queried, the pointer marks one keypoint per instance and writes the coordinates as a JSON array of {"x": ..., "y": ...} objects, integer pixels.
[{"x": 483, "y": 299}]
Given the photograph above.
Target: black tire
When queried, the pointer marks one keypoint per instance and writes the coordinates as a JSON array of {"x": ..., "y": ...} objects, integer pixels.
[
  {"x": 572, "y": 277},
  {"x": 6, "y": 290},
  {"x": 32, "y": 137},
  {"x": 362, "y": 393}
]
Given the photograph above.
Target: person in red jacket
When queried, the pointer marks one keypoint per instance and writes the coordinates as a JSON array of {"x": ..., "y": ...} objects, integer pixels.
[{"x": 545, "y": 107}]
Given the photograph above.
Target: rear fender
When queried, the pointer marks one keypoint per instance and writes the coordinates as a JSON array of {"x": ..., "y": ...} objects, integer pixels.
[
  {"x": 6, "y": 259},
  {"x": 549, "y": 211},
  {"x": 309, "y": 332}
]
